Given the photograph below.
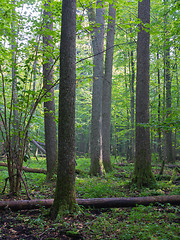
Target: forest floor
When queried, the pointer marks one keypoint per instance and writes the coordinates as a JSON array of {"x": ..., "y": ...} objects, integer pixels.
[{"x": 142, "y": 222}]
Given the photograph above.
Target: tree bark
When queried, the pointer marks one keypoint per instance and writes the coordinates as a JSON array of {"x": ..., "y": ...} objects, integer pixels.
[
  {"x": 65, "y": 199},
  {"x": 94, "y": 202},
  {"x": 107, "y": 86},
  {"x": 49, "y": 105},
  {"x": 142, "y": 176}
]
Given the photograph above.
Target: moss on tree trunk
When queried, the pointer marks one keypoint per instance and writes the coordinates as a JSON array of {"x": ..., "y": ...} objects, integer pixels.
[{"x": 142, "y": 175}]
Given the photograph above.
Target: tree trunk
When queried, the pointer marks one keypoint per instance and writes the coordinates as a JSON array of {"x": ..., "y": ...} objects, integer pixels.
[
  {"x": 159, "y": 110},
  {"x": 49, "y": 105},
  {"x": 127, "y": 144},
  {"x": 96, "y": 120},
  {"x": 132, "y": 106},
  {"x": 142, "y": 176},
  {"x": 159, "y": 121},
  {"x": 107, "y": 86},
  {"x": 13, "y": 159},
  {"x": 177, "y": 84},
  {"x": 65, "y": 199},
  {"x": 94, "y": 202},
  {"x": 163, "y": 119},
  {"x": 169, "y": 149},
  {"x": 167, "y": 76}
]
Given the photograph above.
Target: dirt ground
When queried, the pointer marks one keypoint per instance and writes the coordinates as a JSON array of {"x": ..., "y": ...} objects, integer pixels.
[{"x": 13, "y": 227}]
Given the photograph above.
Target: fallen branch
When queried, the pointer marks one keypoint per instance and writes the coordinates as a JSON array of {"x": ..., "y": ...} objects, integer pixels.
[
  {"x": 38, "y": 146},
  {"x": 166, "y": 165},
  {"x": 94, "y": 202},
  {"x": 6, "y": 179},
  {"x": 35, "y": 170},
  {"x": 153, "y": 165},
  {"x": 40, "y": 143},
  {"x": 26, "y": 169}
]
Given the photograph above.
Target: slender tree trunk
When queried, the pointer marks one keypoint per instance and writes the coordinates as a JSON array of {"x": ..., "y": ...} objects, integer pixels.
[
  {"x": 163, "y": 119},
  {"x": 127, "y": 144},
  {"x": 107, "y": 86},
  {"x": 142, "y": 170},
  {"x": 115, "y": 141},
  {"x": 65, "y": 197},
  {"x": 49, "y": 105},
  {"x": 12, "y": 145},
  {"x": 96, "y": 120},
  {"x": 177, "y": 84},
  {"x": 159, "y": 111},
  {"x": 169, "y": 149},
  {"x": 132, "y": 106},
  {"x": 167, "y": 76},
  {"x": 159, "y": 120}
]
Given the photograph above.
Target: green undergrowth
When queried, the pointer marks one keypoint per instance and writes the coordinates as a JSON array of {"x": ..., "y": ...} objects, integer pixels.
[
  {"x": 150, "y": 222},
  {"x": 113, "y": 184}
]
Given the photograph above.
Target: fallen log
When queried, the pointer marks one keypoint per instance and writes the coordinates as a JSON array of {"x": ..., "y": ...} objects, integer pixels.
[
  {"x": 40, "y": 143},
  {"x": 94, "y": 202},
  {"x": 35, "y": 170},
  {"x": 26, "y": 169}
]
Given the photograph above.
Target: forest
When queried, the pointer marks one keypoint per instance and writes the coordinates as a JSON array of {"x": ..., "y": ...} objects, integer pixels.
[{"x": 89, "y": 119}]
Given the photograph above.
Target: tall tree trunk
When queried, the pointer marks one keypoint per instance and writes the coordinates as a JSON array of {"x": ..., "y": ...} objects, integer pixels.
[
  {"x": 65, "y": 198},
  {"x": 159, "y": 110},
  {"x": 142, "y": 175},
  {"x": 12, "y": 144},
  {"x": 132, "y": 105},
  {"x": 169, "y": 149},
  {"x": 159, "y": 120},
  {"x": 127, "y": 143},
  {"x": 96, "y": 120},
  {"x": 167, "y": 76},
  {"x": 177, "y": 84},
  {"x": 164, "y": 155},
  {"x": 49, "y": 105},
  {"x": 107, "y": 86}
]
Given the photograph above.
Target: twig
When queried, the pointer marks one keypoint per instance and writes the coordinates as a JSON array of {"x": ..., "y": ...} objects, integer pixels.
[
  {"x": 6, "y": 179},
  {"x": 116, "y": 45},
  {"x": 25, "y": 185}
]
